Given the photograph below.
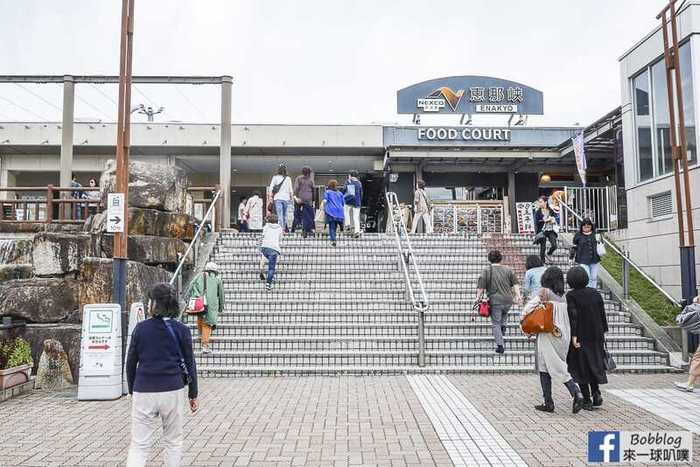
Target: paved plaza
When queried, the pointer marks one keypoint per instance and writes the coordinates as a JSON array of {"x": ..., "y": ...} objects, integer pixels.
[{"x": 337, "y": 421}]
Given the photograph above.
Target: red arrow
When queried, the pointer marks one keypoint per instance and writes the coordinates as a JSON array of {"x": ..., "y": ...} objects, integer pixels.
[{"x": 100, "y": 347}]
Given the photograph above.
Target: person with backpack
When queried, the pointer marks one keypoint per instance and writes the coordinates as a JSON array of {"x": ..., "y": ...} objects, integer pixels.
[
  {"x": 304, "y": 197},
  {"x": 270, "y": 249},
  {"x": 423, "y": 209},
  {"x": 281, "y": 194},
  {"x": 353, "y": 202},
  {"x": 689, "y": 321},
  {"x": 209, "y": 285},
  {"x": 333, "y": 207},
  {"x": 158, "y": 367}
]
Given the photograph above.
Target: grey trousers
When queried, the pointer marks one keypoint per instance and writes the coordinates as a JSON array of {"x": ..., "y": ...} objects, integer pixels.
[{"x": 499, "y": 316}]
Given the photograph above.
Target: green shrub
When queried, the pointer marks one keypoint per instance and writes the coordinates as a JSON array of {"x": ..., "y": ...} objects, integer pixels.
[
  {"x": 642, "y": 291},
  {"x": 15, "y": 352}
]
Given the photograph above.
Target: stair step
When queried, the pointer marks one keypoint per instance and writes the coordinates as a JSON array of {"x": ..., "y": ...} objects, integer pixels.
[
  {"x": 257, "y": 370},
  {"x": 403, "y": 358},
  {"x": 389, "y": 343}
]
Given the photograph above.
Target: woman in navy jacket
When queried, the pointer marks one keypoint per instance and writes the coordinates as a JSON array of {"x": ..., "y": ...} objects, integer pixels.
[{"x": 158, "y": 367}]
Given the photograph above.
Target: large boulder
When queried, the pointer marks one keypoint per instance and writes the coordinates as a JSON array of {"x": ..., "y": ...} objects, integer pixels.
[
  {"x": 10, "y": 272},
  {"x": 150, "y": 222},
  {"x": 148, "y": 250},
  {"x": 40, "y": 300},
  {"x": 151, "y": 186},
  {"x": 56, "y": 254},
  {"x": 67, "y": 334},
  {"x": 96, "y": 283}
]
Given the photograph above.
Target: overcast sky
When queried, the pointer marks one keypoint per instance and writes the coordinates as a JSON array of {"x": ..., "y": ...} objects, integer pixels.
[{"x": 320, "y": 61}]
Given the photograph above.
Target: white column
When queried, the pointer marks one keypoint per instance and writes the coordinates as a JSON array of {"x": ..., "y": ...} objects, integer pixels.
[
  {"x": 66, "y": 166},
  {"x": 225, "y": 150}
]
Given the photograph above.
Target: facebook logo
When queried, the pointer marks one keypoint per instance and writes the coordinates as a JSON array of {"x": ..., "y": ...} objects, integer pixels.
[{"x": 603, "y": 446}]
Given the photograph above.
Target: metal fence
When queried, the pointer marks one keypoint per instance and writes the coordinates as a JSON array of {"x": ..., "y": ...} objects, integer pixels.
[{"x": 597, "y": 203}]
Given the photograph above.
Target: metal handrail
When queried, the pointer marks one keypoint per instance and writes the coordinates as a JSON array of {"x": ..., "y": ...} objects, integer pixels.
[
  {"x": 407, "y": 258},
  {"x": 210, "y": 211},
  {"x": 625, "y": 258}
]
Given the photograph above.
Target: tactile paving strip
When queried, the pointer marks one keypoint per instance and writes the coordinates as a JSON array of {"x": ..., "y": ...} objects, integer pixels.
[{"x": 467, "y": 435}]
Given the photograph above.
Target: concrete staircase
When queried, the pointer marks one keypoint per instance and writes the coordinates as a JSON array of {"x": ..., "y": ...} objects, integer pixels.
[{"x": 344, "y": 310}]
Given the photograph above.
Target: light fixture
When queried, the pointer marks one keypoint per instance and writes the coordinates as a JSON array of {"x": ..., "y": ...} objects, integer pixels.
[{"x": 545, "y": 178}]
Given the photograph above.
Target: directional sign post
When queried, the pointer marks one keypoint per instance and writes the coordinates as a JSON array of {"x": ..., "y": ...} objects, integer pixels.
[
  {"x": 115, "y": 212},
  {"x": 100, "y": 353}
]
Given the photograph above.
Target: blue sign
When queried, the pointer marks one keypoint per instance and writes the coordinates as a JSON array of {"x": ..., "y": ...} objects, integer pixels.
[
  {"x": 470, "y": 95},
  {"x": 603, "y": 446}
]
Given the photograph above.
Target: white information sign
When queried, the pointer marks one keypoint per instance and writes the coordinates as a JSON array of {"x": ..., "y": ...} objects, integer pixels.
[
  {"x": 101, "y": 353},
  {"x": 115, "y": 212},
  {"x": 137, "y": 313}
]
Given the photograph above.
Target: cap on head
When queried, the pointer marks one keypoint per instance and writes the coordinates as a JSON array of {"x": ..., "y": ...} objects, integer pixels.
[{"x": 211, "y": 266}]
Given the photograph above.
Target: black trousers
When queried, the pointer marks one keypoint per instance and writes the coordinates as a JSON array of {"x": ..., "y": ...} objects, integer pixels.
[
  {"x": 552, "y": 237},
  {"x": 546, "y": 383},
  {"x": 589, "y": 389}
]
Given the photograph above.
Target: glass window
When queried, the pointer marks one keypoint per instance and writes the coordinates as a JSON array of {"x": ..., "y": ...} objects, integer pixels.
[
  {"x": 643, "y": 122},
  {"x": 652, "y": 120},
  {"x": 641, "y": 94},
  {"x": 688, "y": 100},
  {"x": 661, "y": 119}
]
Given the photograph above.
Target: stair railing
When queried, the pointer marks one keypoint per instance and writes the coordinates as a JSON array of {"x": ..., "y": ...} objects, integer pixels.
[
  {"x": 626, "y": 261},
  {"x": 177, "y": 275},
  {"x": 407, "y": 258}
]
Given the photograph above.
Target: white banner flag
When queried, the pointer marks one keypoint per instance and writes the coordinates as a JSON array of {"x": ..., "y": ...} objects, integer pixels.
[{"x": 580, "y": 155}]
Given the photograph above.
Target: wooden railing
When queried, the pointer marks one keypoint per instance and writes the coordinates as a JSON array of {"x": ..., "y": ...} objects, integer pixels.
[
  {"x": 73, "y": 205},
  {"x": 49, "y": 204}
]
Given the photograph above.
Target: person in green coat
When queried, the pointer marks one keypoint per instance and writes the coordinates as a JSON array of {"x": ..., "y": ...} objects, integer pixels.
[{"x": 215, "y": 301}]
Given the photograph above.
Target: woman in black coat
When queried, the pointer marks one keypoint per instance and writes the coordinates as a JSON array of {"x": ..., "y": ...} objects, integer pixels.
[{"x": 586, "y": 359}]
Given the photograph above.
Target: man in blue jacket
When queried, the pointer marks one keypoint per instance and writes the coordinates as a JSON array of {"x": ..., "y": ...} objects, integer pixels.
[{"x": 353, "y": 202}]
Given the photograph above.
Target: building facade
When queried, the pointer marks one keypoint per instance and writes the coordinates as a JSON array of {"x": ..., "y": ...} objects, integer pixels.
[
  {"x": 469, "y": 170},
  {"x": 652, "y": 232}
]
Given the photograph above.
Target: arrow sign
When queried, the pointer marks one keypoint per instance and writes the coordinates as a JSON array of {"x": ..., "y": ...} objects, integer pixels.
[
  {"x": 115, "y": 212},
  {"x": 98, "y": 347}
]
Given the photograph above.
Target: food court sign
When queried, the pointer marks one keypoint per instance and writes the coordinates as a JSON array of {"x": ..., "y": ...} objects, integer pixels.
[{"x": 469, "y": 95}]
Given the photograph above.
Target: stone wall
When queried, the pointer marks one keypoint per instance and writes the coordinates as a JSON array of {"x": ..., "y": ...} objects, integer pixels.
[{"x": 48, "y": 279}]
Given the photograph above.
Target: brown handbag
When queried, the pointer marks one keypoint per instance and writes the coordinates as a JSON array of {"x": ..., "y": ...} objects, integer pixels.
[{"x": 541, "y": 319}]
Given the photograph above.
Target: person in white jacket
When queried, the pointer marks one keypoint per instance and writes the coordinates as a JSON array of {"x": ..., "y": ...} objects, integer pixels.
[
  {"x": 281, "y": 193},
  {"x": 254, "y": 212},
  {"x": 270, "y": 249}
]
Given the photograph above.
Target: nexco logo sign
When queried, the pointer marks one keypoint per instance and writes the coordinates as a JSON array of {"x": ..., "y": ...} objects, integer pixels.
[{"x": 464, "y": 134}]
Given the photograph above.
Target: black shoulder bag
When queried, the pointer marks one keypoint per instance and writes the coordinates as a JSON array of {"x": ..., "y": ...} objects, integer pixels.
[
  {"x": 186, "y": 378},
  {"x": 276, "y": 188}
]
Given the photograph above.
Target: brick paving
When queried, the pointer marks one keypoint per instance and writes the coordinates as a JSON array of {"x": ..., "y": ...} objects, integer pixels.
[
  {"x": 560, "y": 439},
  {"x": 254, "y": 421},
  {"x": 324, "y": 421}
]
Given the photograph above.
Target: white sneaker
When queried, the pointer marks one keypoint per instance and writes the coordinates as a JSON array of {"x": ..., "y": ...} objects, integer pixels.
[
  {"x": 206, "y": 350},
  {"x": 684, "y": 387}
]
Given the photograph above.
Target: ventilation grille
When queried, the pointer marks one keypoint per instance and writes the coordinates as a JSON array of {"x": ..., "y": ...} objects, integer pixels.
[{"x": 661, "y": 205}]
